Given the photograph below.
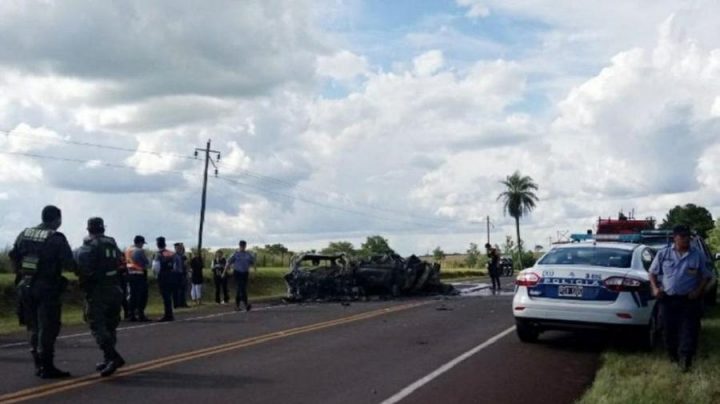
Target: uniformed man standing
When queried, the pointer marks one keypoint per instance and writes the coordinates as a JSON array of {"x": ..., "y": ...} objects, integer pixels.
[
  {"x": 137, "y": 265},
  {"x": 493, "y": 266},
  {"x": 166, "y": 279},
  {"x": 98, "y": 261},
  {"x": 241, "y": 261},
  {"x": 678, "y": 277},
  {"x": 39, "y": 256}
]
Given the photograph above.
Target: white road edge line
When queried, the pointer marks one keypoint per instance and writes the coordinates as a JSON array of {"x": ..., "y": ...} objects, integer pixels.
[
  {"x": 402, "y": 394},
  {"x": 152, "y": 324}
]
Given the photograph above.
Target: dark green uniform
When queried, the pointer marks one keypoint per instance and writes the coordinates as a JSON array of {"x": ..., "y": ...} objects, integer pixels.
[
  {"x": 39, "y": 256},
  {"x": 98, "y": 261}
]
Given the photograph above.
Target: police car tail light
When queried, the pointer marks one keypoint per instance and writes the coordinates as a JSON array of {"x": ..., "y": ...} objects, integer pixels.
[
  {"x": 527, "y": 279},
  {"x": 622, "y": 284}
]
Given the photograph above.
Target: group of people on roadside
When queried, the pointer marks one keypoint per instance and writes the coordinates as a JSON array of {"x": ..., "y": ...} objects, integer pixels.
[{"x": 113, "y": 281}]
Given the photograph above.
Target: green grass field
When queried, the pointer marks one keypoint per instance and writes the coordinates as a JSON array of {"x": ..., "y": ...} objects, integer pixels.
[{"x": 649, "y": 378}]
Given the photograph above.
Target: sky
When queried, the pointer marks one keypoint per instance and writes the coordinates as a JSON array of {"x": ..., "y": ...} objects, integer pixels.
[{"x": 341, "y": 119}]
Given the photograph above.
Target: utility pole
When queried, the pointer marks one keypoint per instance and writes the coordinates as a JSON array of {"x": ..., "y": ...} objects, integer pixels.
[
  {"x": 208, "y": 160},
  {"x": 487, "y": 221}
]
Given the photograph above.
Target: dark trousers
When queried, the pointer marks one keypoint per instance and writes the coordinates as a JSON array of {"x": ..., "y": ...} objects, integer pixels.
[
  {"x": 180, "y": 298},
  {"x": 494, "y": 272},
  {"x": 167, "y": 291},
  {"x": 124, "y": 288},
  {"x": 221, "y": 282},
  {"x": 495, "y": 278},
  {"x": 42, "y": 317},
  {"x": 138, "y": 285},
  {"x": 681, "y": 325},
  {"x": 103, "y": 314},
  {"x": 241, "y": 295}
]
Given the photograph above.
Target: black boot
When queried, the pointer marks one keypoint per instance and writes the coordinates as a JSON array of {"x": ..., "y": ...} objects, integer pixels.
[
  {"x": 113, "y": 362},
  {"x": 48, "y": 369},
  {"x": 37, "y": 361}
]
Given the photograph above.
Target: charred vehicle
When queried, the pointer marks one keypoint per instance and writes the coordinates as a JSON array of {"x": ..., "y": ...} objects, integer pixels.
[
  {"x": 314, "y": 277},
  {"x": 317, "y": 276}
]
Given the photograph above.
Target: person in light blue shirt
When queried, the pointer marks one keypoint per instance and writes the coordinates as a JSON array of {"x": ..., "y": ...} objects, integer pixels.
[
  {"x": 678, "y": 277},
  {"x": 240, "y": 262}
]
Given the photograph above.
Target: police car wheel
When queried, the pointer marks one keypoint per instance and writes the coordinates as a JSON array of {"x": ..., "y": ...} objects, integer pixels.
[{"x": 526, "y": 331}]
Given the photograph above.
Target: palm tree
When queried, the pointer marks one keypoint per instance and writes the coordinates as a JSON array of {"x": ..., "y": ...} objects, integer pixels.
[{"x": 519, "y": 199}]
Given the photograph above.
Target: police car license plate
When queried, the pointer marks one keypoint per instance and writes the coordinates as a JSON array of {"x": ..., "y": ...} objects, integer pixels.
[{"x": 570, "y": 291}]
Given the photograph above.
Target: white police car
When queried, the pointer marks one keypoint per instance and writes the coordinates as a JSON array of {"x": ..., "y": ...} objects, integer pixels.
[{"x": 587, "y": 285}]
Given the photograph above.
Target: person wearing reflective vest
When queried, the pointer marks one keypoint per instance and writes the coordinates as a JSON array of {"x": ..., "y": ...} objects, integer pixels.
[
  {"x": 99, "y": 261},
  {"x": 137, "y": 264},
  {"x": 39, "y": 256},
  {"x": 167, "y": 281}
]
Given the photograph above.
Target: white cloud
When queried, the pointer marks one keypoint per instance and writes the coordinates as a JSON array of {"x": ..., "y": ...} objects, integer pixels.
[
  {"x": 428, "y": 63},
  {"x": 343, "y": 65}
]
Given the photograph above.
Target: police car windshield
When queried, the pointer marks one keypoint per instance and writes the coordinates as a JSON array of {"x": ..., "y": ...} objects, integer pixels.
[{"x": 595, "y": 256}]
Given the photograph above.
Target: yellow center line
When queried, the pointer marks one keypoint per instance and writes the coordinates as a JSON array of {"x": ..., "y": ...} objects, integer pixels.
[{"x": 58, "y": 387}]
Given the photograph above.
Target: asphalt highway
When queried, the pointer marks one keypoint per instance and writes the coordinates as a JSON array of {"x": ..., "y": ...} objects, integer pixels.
[{"x": 419, "y": 350}]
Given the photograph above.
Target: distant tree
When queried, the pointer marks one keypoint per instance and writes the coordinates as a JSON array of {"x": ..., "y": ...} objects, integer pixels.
[
  {"x": 340, "y": 247},
  {"x": 375, "y": 245},
  {"x": 508, "y": 247},
  {"x": 713, "y": 238},
  {"x": 5, "y": 260},
  {"x": 519, "y": 199},
  {"x": 473, "y": 256},
  {"x": 438, "y": 254},
  {"x": 539, "y": 249},
  {"x": 697, "y": 217}
]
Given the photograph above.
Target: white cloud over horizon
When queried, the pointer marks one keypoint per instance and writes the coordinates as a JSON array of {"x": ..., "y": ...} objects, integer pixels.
[{"x": 322, "y": 142}]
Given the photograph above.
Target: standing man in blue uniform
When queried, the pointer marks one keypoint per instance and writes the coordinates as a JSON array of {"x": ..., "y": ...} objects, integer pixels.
[
  {"x": 678, "y": 277},
  {"x": 241, "y": 261},
  {"x": 39, "y": 256}
]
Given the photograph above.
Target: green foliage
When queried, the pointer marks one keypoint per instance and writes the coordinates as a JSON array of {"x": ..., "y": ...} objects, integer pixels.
[
  {"x": 473, "y": 256},
  {"x": 438, "y": 254},
  {"x": 697, "y": 217},
  {"x": 340, "y": 247},
  {"x": 375, "y": 245},
  {"x": 713, "y": 238},
  {"x": 518, "y": 199},
  {"x": 5, "y": 260},
  {"x": 508, "y": 248}
]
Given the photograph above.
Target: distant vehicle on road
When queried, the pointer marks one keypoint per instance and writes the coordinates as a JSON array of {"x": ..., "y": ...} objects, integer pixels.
[
  {"x": 587, "y": 285},
  {"x": 506, "y": 265}
]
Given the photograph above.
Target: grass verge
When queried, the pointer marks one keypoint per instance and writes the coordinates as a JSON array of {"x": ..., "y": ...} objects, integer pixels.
[{"x": 639, "y": 378}]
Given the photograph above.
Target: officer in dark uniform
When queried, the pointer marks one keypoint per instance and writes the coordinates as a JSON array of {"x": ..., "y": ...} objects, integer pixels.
[
  {"x": 678, "y": 276},
  {"x": 98, "y": 262},
  {"x": 163, "y": 268},
  {"x": 39, "y": 256},
  {"x": 493, "y": 266}
]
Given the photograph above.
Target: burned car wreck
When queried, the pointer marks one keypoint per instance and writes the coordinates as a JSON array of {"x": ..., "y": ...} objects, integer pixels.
[{"x": 336, "y": 277}]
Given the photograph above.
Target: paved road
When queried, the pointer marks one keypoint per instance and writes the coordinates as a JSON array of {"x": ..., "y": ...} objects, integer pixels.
[{"x": 321, "y": 353}]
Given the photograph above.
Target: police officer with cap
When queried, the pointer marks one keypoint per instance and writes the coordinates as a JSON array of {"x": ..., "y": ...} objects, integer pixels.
[
  {"x": 137, "y": 265},
  {"x": 39, "y": 256},
  {"x": 98, "y": 261},
  {"x": 678, "y": 277}
]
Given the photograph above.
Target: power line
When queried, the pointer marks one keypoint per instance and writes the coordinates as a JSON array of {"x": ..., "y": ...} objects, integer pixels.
[
  {"x": 94, "y": 145},
  {"x": 323, "y": 205},
  {"x": 227, "y": 179},
  {"x": 244, "y": 172}
]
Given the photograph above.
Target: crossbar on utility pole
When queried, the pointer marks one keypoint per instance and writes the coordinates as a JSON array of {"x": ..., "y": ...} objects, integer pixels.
[{"x": 208, "y": 160}]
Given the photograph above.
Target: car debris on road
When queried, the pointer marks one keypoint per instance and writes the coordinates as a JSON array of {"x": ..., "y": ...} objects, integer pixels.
[{"x": 337, "y": 277}]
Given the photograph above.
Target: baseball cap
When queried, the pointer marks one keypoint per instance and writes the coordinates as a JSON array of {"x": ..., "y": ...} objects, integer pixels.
[
  {"x": 139, "y": 239},
  {"x": 681, "y": 230}
]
